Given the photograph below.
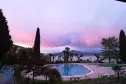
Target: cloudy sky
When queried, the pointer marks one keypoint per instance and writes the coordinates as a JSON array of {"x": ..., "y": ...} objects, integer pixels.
[{"x": 79, "y": 24}]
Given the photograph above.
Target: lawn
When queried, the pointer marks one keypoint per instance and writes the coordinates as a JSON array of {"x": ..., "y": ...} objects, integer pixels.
[{"x": 86, "y": 81}]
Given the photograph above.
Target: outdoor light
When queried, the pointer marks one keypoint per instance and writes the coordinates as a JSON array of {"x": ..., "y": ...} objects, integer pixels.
[{"x": 121, "y": 0}]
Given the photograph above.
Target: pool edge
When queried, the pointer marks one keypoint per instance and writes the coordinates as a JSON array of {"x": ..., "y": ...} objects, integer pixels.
[{"x": 91, "y": 71}]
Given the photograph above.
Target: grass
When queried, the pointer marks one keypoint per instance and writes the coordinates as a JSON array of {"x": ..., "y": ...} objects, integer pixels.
[
  {"x": 89, "y": 81},
  {"x": 86, "y": 81}
]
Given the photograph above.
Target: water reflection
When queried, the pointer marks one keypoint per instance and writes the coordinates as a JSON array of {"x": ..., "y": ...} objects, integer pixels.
[
  {"x": 70, "y": 69},
  {"x": 67, "y": 68}
]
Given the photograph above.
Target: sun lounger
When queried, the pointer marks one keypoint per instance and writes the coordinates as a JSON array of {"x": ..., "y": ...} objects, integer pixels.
[
  {"x": 75, "y": 78},
  {"x": 108, "y": 75}
]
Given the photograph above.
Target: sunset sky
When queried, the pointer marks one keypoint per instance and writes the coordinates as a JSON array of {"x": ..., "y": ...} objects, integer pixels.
[{"x": 79, "y": 24}]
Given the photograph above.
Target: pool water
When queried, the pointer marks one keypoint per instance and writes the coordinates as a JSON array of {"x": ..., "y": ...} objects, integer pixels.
[
  {"x": 8, "y": 73},
  {"x": 70, "y": 69},
  {"x": 111, "y": 65}
]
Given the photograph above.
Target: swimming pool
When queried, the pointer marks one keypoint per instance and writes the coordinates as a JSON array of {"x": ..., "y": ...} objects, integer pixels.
[
  {"x": 8, "y": 74},
  {"x": 111, "y": 65},
  {"x": 71, "y": 69}
]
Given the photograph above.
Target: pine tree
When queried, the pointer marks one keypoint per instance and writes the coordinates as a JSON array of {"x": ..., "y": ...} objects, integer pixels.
[
  {"x": 36, "y": 47},
  {"x": 122, "y": 46},
  {"x": 5, "y": 38},
  {"x": 110, "y": 47},
  {"x": 36, "y": 52}
]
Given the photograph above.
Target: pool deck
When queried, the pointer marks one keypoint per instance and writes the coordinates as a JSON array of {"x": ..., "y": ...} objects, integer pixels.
[{"x": 96, "y": 71}]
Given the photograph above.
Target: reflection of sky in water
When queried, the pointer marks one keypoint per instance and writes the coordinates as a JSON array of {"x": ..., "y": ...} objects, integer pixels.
[
  {"x": 70, "y": 69},
  {"x": 8, "y": 74}
]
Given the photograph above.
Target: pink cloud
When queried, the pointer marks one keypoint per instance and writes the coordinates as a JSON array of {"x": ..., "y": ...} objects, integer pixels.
[
  {"x": 22, "y": 37},
  {"x": 86, "y": 39}
]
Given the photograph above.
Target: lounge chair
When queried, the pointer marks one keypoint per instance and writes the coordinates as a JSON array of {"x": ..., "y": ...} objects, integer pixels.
[{"x": 75, "y": 78}]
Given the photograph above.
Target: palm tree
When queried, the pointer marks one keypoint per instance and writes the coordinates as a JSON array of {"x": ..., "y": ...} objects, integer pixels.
[
  {"x": 53, "y": 56},
  {"x": 67, "y": 49},
  {"x": 50, "y": 57},
  {"x": 77, "y": 57},
  {"x": 81, "y": 55},
  {"x": 59, "y": 57},
  {"x": 71, "y": 57},
  {"x": 66, "y": 54}
]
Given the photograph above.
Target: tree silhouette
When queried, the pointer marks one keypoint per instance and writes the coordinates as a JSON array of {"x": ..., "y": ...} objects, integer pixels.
[
  {"x": 53, "y": 56},
  {"x": 54, "y": 77},
  {"x": 50, "y": 57},
  {"x": 59, "y": 58},
  {"x": 36, "y": 53},
  {"x": 5, "y": 38},
  {"x": 35, "y": 63},
  {"x": 110, "y": 46},
  {"x": 122, "y": 0},
  {"x": 122, "y": 46},
  {"x": 30, "y": 52},
  {"x": 79, "y": 56},
  {"x": 117, "y": 70},
  {"x": 71, "y": 57},
  {"x": 23, "y": 55},
  {"x": 66, "y": 54},
  {"x": 36, "y": 47},
  {"x": 98, "y": 57}
]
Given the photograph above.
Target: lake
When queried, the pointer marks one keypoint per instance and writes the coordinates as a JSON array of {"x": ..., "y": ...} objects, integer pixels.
[{"x": 91, "y": 58}]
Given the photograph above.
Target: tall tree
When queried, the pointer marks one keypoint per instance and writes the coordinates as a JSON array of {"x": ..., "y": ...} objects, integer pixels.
[
  {"x": 122, "y": 46},
  {"x": 35, "y": 62},
  {"x": 36, "y": 47},
  {"x": 79, "y": 56},
  {"x": 110, "y": 46},
  {"x": 53, "y": 56},
  {"x": 98, "y": 57},
  {"x": 5, "y": 38},
  {"x": 71, "y": 57},
  {"x": 50, "y": 57},
  {"x": 66, "y": 54}
]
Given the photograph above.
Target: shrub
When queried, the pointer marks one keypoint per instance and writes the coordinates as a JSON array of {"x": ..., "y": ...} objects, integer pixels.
[
  {"x": 55, "y": 77},
  {"x": 117, "y": 70}
]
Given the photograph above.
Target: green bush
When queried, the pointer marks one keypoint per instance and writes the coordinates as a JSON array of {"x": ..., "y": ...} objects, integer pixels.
[
  {"x": 117, "y": 70},
  {"x": 55, "y": 77}
]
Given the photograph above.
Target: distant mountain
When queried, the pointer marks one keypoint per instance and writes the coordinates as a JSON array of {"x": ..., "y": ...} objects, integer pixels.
[{"x": 76, "y": 52}]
